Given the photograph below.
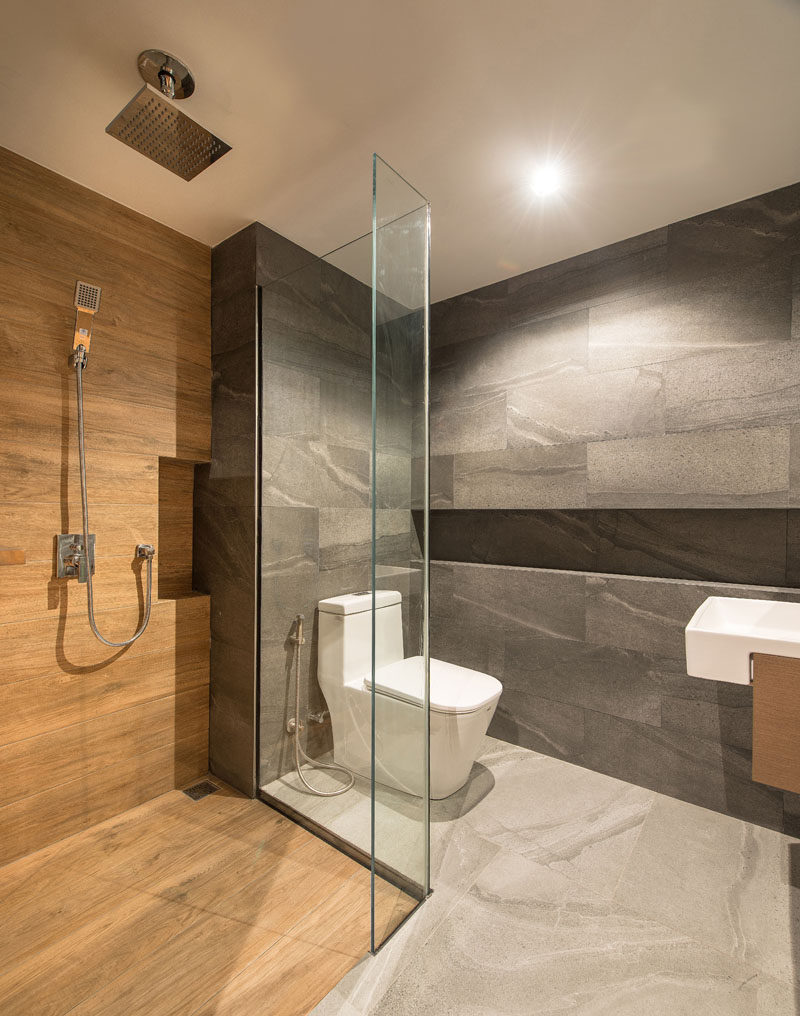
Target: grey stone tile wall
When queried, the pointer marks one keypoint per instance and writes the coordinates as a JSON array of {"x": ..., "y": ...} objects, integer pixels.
[
  {"x": 314, "y": 514},
  {"x": 739, "y": 545},
  {"x": 671, "y": 356},
  {"x": 225, "y": 515},
  {"x": 593, "y": 672},
  {"x": 316, "y": 486}
]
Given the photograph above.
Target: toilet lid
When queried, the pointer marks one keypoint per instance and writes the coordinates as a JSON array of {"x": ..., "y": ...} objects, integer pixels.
[{"x": 453, "y": 689}]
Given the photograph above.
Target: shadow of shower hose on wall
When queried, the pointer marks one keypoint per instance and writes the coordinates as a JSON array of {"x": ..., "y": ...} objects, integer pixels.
[{"x": 58, "y": 598}]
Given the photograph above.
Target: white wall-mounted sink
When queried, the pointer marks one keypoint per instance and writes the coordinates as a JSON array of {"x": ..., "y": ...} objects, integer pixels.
[{"x": 725, "y": 632}]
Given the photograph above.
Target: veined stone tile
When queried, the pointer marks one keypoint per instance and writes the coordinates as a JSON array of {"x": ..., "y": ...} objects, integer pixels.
[
  {"x": 233, "y": 321},
  {"x": 525, "y": 941},
  {"x": 586, "y": 407},
  {"x": 735, "y": 237},
  {"x": 540, "y": 477},
  {"x": 345, "y": 536},
  {"x": 578, "y": 823},
  {"x": 647, "y": 616},
  {"x": 543, "y": 725},
  {"x": 752, "y": 386},
  {"x": 233, "y": 264},
  {"x": 441, "y": 481},
  {"x": 794, "y": 467},
  {"x": 275, "y": 256},
  {"x": 715, "y": 776},
  {"x": 468, "y": 316},
  {"x": 345, "y": 415},
  {"x": 712, "y": 721},
  {"x": 527, "y": 538},
  {"x": 600, "y": 678},
  {"x": 468, "y": 423},
  {"x": 729, "y": 545},
  {"x": 711, "y": 315},
  {"x": 697, "y": 469},
  {"x": 289, "y": 567},
  {"x": 650, "y": 615},
  {"x": 312, "y": 474},
  {"x": 290, "y": 403},
  {"x": 392, "y": 488},
  {"x": 634, "y": 265},
  {"x": 728, "y": 883},
  {"x": 533, "y": 601},
  {"x": 534, "y": 351},
  {"x": 466, "y": 645}
]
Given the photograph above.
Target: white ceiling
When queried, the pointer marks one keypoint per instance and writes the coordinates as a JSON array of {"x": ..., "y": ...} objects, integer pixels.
[{"x": 660, "y": 108}]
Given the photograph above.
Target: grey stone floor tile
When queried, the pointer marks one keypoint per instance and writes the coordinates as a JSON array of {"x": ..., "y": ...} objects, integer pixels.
[
  {"x": 527, "y": 940},
  {"x": 578, "y": 823},
  {"x": 730, "y": 884}
]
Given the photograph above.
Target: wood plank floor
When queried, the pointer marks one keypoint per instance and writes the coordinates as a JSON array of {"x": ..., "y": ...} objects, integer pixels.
[{"x": 219, "y": 907}]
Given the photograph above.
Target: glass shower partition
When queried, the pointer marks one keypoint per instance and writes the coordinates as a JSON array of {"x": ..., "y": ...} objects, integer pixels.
[
  {"x": 400, "y": 453},
  {"x": 343, "y": 524}
]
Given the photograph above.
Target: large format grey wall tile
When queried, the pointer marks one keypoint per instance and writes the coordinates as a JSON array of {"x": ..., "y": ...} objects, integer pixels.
[
  {"x": 702, "y": 468},
  {"x": 520, "y": 355},
  {"x": 736, "y": 236},
  {"x": 538, "y": 603},
  {"x": 315, "y": 474},
  {"x": 748, "y": 309},
  {"x": 289, "y": 568},
  {"x": 575, "y": 407},
  {"x": 468, "y": 423},
  {"x": 754, "y": 386},
  {"x": 707, "y": 303},
  {"x": 521, "y": 478},
  {"x": 702, "y": 772},
  {"x": 725, "y": 544},
  {"x": 582, "y": 675},
  {"x": 600, "y": 276}
]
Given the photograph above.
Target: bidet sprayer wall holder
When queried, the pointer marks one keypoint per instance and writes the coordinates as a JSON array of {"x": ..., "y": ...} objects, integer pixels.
[{"x": 297, "y": 636}]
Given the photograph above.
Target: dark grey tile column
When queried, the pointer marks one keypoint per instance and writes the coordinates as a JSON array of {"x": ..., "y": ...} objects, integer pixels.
[{"x": 226, "y": 506}]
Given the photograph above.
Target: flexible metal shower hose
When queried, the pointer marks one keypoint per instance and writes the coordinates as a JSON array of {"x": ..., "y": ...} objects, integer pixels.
[
  {"x": 298, "y": 751},
  {"x": 79, "y": 361}
]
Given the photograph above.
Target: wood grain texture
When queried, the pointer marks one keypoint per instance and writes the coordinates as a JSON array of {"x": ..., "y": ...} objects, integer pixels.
[
  {"x": 12, "y": 555},
  {"x": 776, "y": 721},
  {"x": 218, "y": 906},
  {"x": 90, "y": 731}
]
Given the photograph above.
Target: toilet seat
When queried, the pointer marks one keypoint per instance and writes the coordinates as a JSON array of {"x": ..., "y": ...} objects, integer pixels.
[{"x": 453, "y": 689}]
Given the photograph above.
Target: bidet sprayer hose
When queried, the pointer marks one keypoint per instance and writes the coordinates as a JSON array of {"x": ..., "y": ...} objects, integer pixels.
[
  {"x": 298, "y": 640},
  {"x": 143, "y": 550}
]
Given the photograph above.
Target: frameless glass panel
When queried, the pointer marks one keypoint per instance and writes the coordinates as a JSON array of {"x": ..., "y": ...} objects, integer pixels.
[
  {"x": 399, "y": 666},
  {"x": 343, "y": 513},
  {"x": 316, "y": 440}
]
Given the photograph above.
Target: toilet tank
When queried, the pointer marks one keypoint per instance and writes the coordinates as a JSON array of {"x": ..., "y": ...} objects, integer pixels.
[{"x": 345, "y": 634}]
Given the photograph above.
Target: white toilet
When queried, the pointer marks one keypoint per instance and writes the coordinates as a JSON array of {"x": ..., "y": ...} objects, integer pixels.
[{"x": 462, "y": 701}]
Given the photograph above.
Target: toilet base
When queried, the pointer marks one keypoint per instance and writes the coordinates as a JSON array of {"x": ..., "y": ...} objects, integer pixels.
[{"x": 455, "y": 742}]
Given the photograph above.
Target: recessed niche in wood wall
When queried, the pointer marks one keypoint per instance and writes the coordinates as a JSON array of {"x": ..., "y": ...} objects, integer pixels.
[{"x": 175, "y": 506}]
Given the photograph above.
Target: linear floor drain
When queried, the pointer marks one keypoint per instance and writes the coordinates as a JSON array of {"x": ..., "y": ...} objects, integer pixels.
[{"x": 201, "y": 790}]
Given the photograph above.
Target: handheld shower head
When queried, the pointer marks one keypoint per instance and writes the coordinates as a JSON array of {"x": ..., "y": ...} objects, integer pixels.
[{"x": 87, "y": 303}]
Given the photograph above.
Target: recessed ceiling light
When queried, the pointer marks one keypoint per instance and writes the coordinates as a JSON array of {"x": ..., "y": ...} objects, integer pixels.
[{"x": 547, "y": 179}]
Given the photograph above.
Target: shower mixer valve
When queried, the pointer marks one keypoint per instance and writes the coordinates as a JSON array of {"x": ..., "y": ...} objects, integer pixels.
[{"x": 70, "y": 559}]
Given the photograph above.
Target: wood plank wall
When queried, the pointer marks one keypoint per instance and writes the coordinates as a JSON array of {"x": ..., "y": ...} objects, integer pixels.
[{"x": 86, "y": 731}]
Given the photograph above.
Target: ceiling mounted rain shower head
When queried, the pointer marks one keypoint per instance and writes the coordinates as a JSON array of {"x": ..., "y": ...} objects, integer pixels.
[{"x": 154, "y": 127}]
